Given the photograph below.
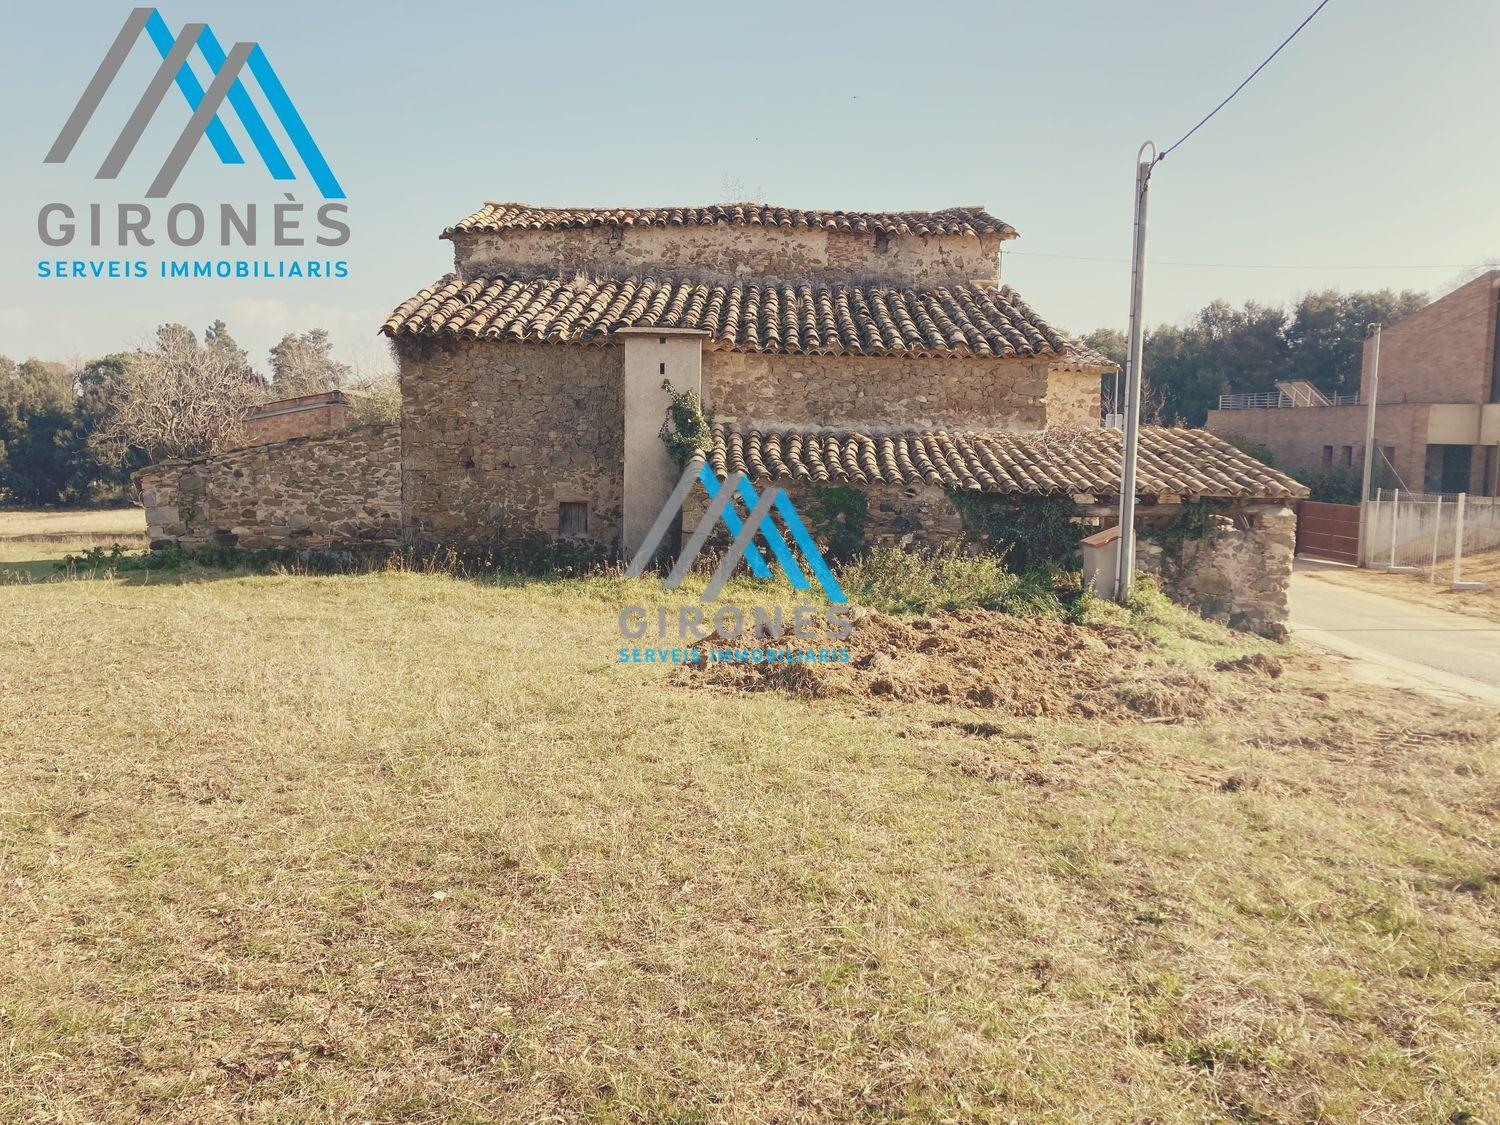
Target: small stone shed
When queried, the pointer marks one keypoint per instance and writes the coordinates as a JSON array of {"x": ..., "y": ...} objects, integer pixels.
[{"x": 1232, "y": 564}]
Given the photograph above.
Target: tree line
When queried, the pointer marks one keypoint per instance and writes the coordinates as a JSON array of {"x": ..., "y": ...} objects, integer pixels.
[
  {"x": 1222, "y": 349},
  {"x": 74, "y": 433}
]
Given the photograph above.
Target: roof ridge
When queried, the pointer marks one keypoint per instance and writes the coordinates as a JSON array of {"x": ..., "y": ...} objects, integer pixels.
[{"x": 954, "y": 221}]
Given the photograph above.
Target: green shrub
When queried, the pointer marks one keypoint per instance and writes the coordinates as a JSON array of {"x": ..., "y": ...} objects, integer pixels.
[
  {"x": 1334, "y": 485},
  {"x": 1027, "y": 531},
  {"x": 838, "y": 516},
  {"x": 1259, "y": 450},
  {"x": 687, "y": 431},
  {"x": 896, "y": 581}
]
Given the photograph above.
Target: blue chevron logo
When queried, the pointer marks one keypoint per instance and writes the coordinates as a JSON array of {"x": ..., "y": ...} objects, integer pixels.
[
  {"x": 759, "y": 521},
  {"x": 205, "y": 105}
]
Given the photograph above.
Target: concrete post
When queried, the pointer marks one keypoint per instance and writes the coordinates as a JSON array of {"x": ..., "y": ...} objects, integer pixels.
[
  {"x": 1458, "y": 539},
  {"x": 651, "y": 356}
]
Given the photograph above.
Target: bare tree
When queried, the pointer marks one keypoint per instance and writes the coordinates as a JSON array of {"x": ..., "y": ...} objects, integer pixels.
[
  {"x": 375, "y": 396},
  {"x": 177, "y": 398}
]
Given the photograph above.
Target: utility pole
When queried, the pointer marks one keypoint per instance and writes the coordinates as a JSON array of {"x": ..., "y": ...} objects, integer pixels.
[
  {"x": 1125, "y": 561},
  {"x": 1362, "y": 549}
]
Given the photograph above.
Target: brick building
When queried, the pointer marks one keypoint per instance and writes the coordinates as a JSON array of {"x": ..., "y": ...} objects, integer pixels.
[
  {"x": 323, "y": 412},
  {"x": 1437, "y": 421}
]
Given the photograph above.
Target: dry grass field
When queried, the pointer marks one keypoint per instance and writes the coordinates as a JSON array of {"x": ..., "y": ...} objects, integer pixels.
[{"x": 406, "y": 846}]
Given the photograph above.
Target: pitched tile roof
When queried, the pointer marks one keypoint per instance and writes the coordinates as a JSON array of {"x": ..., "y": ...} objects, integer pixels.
[
  {"x": 808, "y": 318},
  {"x": 1082, "y": 357},
  {"x": 1186, "y": 463},
  {"x": 496, "y": 217}
]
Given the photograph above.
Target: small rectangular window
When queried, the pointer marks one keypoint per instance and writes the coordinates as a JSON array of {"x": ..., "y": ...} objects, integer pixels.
[
  {"x": 572, "y": 519},
  {"x": 662, "y": 368},
  {"x": 1328, "y": 456},
  {"x": 1348, "y": 455}
]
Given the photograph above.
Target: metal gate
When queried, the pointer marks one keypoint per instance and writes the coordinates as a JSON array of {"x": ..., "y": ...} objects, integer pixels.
[{"x": 1328, "y": 531}]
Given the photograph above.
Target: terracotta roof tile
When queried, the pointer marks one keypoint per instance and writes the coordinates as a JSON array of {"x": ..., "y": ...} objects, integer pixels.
[
  {"x": 1186, "y": 463},
  {"x": 806, "y": 318},
  {"x": 1082, "y": 357},
  {"x": 498, "y": 217}
]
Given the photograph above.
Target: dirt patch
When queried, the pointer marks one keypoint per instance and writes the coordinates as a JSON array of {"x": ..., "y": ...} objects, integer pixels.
[
  {"x": 1018, "y": 665},
  {"x": 1253, "y": 662}
]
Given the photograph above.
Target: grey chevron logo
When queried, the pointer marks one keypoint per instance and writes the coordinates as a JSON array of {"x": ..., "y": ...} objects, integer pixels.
[
  {"x": 721, "y": 509},
  {"x": 244, "y": 63}
]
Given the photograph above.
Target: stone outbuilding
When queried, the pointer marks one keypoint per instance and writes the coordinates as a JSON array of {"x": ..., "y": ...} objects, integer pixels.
[
  {"x": 532, "y": 374},
  {"x": 873, "y": 351}
]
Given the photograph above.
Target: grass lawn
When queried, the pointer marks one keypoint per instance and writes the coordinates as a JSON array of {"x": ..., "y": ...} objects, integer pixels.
[
  {"x": 32, "y": 542},
  {"x": 408, "y": 846}
]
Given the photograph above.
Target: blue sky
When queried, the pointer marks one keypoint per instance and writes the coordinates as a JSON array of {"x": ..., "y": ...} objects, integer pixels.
[{"x": 1371, "y": 141}]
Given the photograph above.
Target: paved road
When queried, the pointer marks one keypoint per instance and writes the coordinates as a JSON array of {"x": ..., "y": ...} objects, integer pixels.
[{"x": 1426, "y": 646}]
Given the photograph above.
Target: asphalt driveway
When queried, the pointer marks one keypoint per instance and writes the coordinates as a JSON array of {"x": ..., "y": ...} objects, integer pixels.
[{"x": 1399, "y": 639}]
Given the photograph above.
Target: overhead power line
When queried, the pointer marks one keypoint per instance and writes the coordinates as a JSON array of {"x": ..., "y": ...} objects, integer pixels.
[
  {"x": 1168, "y": 150},
  {"x": 1252, "y": 265}
]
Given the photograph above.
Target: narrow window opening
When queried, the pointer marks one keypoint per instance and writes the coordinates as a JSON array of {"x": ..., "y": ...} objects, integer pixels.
[
  {"x": 663, "y": 368},
  {"x": 572, "y": 518},
  {"x": 1328, "y": 456}
]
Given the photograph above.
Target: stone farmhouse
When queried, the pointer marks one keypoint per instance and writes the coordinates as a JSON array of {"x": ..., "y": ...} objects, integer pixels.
[
  {"x": 1437, "y": 423},
  {"x": 874, "y": 351}
]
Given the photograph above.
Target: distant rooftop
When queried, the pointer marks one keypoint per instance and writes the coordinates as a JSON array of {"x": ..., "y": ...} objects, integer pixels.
[{"x": 961, "y": 221}]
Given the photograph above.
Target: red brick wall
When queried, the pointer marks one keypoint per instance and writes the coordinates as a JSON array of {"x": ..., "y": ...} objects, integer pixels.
[
  {"x": 263, "y": 429},
  {"x": 1443, "y": 353},
  {"x": 1297, "y": 436}
]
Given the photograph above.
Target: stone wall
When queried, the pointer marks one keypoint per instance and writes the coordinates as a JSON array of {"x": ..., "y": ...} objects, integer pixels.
[
  {"x": 1073, "y": 398},
  {"x": 495, "y": 436},
  {"x": 918, "y": 516},
  {"x": 727, "y": 251},
  {"x": 331, "y": 491},
  {"x": 877, "y": 391},
  {"x": 1238, "y": 574}
]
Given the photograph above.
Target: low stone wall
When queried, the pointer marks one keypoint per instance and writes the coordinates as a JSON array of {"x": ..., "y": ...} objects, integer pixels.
[
  {"x": 921, "y": 516},
  {"x": 1237, "y": 574},
  {"x": 330, "y": 491}
]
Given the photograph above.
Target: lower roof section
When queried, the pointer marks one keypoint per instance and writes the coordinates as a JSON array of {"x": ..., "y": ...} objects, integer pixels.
[
  {"x": 973, "y": 319},
  {"x": 1181, "y": 463}
]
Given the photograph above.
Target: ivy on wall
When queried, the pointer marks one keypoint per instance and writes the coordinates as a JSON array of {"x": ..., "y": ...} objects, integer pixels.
[
  {"x": 1030, "y": 531},
  {"x": 839, "y": 515},
  {"x": 1194, "y": 523},
  {"x": 687, "y": 431}
]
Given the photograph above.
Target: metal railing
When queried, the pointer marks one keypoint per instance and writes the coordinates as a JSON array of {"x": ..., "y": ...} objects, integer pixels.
[{"x": 1280, "y": 400}]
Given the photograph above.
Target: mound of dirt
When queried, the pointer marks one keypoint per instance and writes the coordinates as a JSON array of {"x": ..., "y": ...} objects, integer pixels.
[
  {"x": 1018, "y": 665},
  {"x": 1253, "y": 662}
]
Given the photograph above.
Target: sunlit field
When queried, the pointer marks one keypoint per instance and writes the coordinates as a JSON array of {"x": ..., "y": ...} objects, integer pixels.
[{"x": 409, "y": 846}]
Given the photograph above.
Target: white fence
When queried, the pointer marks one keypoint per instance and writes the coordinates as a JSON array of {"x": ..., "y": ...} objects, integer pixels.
[{"x": 1421, "y": 530}]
